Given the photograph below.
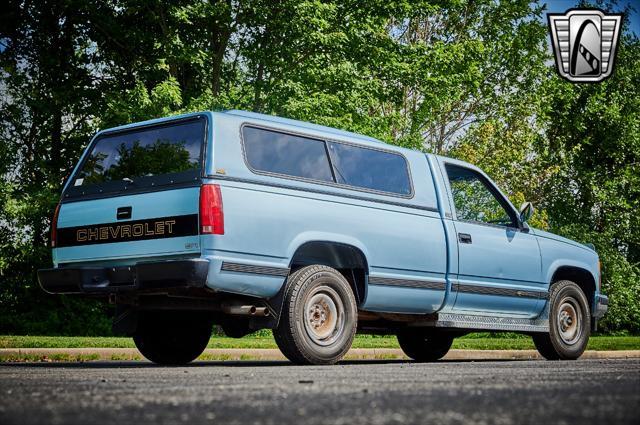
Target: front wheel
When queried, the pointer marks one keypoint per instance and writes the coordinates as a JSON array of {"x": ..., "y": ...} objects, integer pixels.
[
  {"x": 172, "y": 338},
  {"x": 569, "y": 323},
  {"x": 424, "y": 345},
  {"x": 319, "y": 316}
]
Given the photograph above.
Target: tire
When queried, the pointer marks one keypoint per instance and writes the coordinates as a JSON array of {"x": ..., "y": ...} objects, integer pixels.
[
  {"x": 424, "y": 346},
  {"x": 569, "y": 323},
  {"x": 319, "y": 317},
  {"x": 172, "y": 338}
]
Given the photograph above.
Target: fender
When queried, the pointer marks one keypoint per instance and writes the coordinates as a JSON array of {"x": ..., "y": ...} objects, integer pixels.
[{"x": 565, "y": 262}]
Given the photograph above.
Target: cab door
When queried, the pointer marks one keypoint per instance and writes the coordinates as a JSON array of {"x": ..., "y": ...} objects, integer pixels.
[{"x": 499, "y": 263}]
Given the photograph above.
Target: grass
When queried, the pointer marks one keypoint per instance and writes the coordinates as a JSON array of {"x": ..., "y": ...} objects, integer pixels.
[
  {"x": 59, "y": 357},
  {"x": 480, "y": 341}
]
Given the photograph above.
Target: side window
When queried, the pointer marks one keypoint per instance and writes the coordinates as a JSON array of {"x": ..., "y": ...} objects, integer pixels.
[
  {"x": 473, "y": 198},
  {"x": 370, "y": 168},
  {"x": 281, "y": 153}
]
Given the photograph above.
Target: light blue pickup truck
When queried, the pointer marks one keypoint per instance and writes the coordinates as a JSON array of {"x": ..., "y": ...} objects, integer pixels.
[{"x": 251, "y": 221}]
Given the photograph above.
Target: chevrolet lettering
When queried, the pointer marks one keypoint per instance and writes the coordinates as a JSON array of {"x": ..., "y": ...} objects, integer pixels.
[
  {"x": 251, "y": 221},
  {"x": 125, "y": 231}
]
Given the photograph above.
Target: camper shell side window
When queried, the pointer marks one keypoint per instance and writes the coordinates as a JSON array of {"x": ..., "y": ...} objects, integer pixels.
[{"x": 282, "y": 154}]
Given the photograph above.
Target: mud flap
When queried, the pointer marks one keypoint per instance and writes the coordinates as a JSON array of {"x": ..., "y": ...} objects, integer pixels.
[{"x": 125, "y": 321}]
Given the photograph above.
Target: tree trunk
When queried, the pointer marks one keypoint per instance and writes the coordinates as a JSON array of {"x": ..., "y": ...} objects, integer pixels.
[
  {"x": 56, "y": 141},
  {"x": 257, "y": 100},
  {"x": 219, "y": 41}
]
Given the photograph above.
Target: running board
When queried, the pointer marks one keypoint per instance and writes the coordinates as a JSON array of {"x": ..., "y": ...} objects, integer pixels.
[
  {"x": 491, "y": 323},
  {"x": 463, "y": 321},
  {"x": 467, "y": 321}
]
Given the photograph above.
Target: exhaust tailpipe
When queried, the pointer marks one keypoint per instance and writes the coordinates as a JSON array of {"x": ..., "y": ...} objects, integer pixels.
[{"x": 245, "y": 310}]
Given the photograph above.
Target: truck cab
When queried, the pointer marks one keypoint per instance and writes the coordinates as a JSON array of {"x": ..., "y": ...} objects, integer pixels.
[{"x": 251, "y": 221}]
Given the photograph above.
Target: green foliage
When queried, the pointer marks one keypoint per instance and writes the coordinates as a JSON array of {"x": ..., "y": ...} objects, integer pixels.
[
  {"x": 139, "y": 104},
  {"x": 476, "y": 341},
  {"x": 466, "y": 79}
]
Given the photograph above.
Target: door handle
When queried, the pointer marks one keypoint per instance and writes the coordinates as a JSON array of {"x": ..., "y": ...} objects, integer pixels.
[
  {"x": 123, "y": 213},
  {"x": 464, "y": 238}
]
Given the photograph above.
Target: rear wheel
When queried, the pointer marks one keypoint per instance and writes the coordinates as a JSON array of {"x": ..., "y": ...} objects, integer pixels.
[
  {"x": 424, "y": 345},
  {"x": 319, "y": 316},
  {"x": 569, "y": 323},
  {"x": 172, "y": 338}
]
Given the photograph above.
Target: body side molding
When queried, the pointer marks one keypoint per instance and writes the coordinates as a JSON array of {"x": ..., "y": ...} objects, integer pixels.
[
  {"x": 253, "y": 269},
  {"x": 409, "y": 283}
]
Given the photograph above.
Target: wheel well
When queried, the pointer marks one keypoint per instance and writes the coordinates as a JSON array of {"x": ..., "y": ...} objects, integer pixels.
[
  {"x": 581, "y": 277},
  {"x": 347, "y": 259}
]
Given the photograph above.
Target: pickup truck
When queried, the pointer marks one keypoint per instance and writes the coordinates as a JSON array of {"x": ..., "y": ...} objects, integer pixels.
[{"x": 249, "y": 221}]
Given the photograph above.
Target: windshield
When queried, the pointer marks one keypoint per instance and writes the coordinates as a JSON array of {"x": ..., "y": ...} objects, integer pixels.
[{"x": 135, "y": 157}]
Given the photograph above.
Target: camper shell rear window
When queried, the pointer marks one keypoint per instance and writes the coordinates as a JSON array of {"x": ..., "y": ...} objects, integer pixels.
[{"x": 141, "y": 158}]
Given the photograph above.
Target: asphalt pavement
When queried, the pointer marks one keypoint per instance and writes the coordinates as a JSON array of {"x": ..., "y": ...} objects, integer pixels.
[{"x": 365, "y": 392}]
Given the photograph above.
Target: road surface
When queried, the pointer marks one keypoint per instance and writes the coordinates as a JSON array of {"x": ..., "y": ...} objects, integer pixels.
[{"x": 392, "y": 392}]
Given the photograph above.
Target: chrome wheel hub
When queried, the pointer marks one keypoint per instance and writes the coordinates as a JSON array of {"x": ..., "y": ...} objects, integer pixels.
[
  {"x": 323, "y": 316},
  {"x": 569, "y": 320}
]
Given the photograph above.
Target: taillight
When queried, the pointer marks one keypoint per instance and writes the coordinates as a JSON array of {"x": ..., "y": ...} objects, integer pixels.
[
  {"x": 211, "y": 214},
  {"x": 54, "y": 225}
]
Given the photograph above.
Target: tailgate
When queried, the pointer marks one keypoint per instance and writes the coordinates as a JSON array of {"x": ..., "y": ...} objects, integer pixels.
[{"x": 160, "y": 223}]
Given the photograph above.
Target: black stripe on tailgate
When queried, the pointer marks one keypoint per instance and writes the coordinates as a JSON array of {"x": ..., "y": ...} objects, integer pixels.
[{"x": 128, "y": 231}]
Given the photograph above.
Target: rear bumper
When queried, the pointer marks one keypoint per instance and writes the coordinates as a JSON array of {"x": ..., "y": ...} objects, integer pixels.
[
  {"x": 601, "y": 307},
  {"x": 144, "y": 276}
]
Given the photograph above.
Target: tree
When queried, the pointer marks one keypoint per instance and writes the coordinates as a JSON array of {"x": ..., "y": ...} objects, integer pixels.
[{"x": 51, "y": 93}]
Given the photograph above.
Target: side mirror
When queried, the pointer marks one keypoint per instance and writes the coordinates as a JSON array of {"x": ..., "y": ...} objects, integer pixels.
[{"x": 526, "y": 211}]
